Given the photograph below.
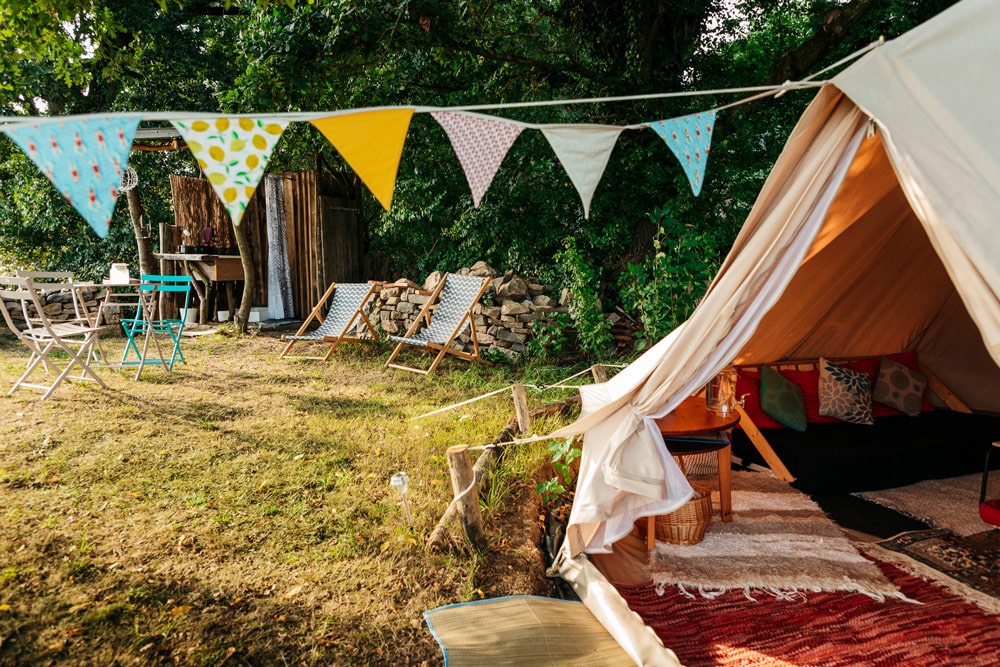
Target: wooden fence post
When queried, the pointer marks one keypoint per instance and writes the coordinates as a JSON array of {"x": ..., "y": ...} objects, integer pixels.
[
  {"x": 463, "y": 479},
  {"x": 521, "y": 408},
  {"x": 600, "y": 373}
]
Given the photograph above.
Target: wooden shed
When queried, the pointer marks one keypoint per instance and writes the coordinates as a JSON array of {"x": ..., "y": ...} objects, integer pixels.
[{"x": 305, "y": 228}]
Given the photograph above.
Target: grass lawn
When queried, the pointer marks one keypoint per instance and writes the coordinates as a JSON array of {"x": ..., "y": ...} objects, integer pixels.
[{"x": 238, "y": 509}]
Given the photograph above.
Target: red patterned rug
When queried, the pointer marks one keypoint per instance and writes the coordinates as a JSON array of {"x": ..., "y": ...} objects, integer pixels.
[{"x": 828, "y": 629}]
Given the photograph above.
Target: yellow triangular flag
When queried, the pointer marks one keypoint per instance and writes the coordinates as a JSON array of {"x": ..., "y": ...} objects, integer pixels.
[{"x": 372, "y": 143}]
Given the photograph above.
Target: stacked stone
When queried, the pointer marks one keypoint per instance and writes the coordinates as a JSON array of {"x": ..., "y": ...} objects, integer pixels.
[{"x": 503, "y": 317}]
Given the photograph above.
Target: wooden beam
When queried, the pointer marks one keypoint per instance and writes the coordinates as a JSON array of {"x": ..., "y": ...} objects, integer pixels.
[
  {"x": 763, "y": 446},
  {"x": 521, "y": 408}
]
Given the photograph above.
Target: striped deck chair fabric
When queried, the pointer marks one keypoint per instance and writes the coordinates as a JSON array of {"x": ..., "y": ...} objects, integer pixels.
[
  {"x": 347, "y": 314},
  {"x": 455, "y": 297}
]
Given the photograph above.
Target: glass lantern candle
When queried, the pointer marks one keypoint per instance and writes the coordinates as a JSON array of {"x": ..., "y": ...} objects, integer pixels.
[{"x": 720, "y": 393}]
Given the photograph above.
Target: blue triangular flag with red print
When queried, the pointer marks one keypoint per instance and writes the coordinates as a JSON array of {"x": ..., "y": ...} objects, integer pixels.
[
  {"x": 690, "y": 138},
  {"x": 84, "y": 159}
]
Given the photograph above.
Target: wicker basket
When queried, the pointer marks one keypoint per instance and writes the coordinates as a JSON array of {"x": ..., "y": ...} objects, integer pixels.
[{"x": 687, "y": 524}]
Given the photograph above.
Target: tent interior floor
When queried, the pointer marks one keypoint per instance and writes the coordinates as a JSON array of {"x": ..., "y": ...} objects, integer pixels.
[
  {"x": 862, "y": 520},
  {"x": 865, "y": 521}
]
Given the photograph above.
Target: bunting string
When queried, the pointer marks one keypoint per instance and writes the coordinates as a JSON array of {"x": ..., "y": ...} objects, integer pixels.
[{"x": 233, "y": 149}]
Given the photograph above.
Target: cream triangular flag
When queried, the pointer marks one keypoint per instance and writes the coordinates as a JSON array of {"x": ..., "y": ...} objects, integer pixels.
[
  {"x": 233, "y": 154},
  {"x": 372, "y": 143},
  {"x": 584, "y": 151},
  {"x": 481, "y": 143}
]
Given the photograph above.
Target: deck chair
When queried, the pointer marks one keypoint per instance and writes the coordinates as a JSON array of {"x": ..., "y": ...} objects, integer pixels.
[
  {"x": 149, "y": 325},
  {"x": 346, "y": 314},
  {"x": 454, "y": 297},
  {"x": 44, "y": 337}
]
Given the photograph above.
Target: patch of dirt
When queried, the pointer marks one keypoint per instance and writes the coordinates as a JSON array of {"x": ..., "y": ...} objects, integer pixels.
[{"x": 516, "y": 564}]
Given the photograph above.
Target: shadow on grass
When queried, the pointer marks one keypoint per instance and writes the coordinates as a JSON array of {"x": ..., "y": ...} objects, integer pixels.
[{"x": 346, "y": 407}]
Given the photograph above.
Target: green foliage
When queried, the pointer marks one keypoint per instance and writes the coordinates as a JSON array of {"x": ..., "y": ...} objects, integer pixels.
[
  {"x": 592, "y": 326},
  {"x": 665, "y": 288},
  {"x": 548, "y": 337},
  {"x": 244, "y": 56},
  {"x": 563, "y": 453}
]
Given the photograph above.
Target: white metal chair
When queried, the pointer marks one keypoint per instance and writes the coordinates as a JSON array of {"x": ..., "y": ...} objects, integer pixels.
[
  {"x": 454, "y": 297},
  {"x": 346, "y": 314},
  {"x": 43, "y": 337}
]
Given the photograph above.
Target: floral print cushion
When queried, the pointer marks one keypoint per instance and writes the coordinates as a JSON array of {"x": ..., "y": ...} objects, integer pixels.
[{"x": 844, "y": 393}]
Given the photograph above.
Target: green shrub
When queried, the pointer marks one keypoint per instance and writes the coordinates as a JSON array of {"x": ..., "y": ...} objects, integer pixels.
[{"x": 665, "y": 288}]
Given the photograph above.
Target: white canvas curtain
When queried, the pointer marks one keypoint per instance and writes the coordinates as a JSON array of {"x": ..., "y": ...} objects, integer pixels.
[{"x": 626, "y": 471}]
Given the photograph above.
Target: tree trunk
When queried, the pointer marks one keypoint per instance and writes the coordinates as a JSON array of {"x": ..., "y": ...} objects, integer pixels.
[
  {"x": 249, "y": 277},
  {"x": 147, "y": 263}
]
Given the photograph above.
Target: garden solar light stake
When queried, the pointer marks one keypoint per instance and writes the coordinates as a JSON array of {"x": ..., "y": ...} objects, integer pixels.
[{"x": 401, "y": 482}]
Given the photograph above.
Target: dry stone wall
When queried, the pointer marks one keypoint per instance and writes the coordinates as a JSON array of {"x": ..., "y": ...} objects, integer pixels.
[{"x": 503, "y": 317}]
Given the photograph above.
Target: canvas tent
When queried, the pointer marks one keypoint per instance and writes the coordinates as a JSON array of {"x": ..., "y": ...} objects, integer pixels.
[{"x": 877, "y": 231}]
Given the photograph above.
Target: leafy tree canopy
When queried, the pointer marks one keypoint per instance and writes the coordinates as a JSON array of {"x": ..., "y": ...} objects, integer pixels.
[{"x": 244, "y": 57}]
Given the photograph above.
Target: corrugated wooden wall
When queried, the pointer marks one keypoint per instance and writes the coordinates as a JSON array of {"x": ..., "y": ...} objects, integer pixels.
[{"x": 326, "y": 233}]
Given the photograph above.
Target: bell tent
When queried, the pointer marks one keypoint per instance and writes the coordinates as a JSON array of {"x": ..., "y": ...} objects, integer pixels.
[{"x": 877, "y": 231}]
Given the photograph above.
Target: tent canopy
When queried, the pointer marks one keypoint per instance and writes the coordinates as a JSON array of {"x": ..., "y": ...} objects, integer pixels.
[{"x": 875, "y": 233}]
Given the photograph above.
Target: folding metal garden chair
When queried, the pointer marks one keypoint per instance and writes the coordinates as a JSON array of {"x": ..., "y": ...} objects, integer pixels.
[
  {"x": 43, "y": 337},
  {"x": 150, "y": 326},
  {"x": 347, "y": 314},
  {"x": 453, "y": 298}
]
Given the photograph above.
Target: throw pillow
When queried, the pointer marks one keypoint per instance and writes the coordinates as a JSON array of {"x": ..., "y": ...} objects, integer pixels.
[
  {"x": 782, "y": 399},
  {"x": 844, "y": 393},
  {"x": 748, "y": 388},
  {"x": 900, "y": 387}
]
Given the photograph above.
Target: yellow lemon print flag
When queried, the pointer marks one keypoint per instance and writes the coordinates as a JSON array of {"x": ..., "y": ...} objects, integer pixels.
[
  {"x": 372, "y": 143},
  {"x": 232, "y": 153}
]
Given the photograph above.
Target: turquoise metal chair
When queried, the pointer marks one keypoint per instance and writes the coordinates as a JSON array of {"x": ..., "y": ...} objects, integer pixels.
[{"x": 150, "y": 326}]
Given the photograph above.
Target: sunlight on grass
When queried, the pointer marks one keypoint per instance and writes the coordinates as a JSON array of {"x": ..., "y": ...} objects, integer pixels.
[{"x": 239, "y": 508}]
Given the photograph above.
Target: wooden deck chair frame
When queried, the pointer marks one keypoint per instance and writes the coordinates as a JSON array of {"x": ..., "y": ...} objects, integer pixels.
[
  {"x": 42, "y": 337},
  {"x": 322, "y": 334},
  {"x": 444, "y": 348}
]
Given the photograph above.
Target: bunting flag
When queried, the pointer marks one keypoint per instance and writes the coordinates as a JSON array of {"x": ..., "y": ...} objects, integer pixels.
[
  {"x": 481, "y": 144},
  {"x": 371, "y": 142},
  {"x": 584, "y": 151},
  {"x": 84, "y": 159},
  {"x": 233, "y": 153},
  {"x": 690, "y": 138}
]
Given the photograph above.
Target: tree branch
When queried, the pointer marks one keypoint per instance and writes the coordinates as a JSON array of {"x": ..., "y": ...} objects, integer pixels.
[{"x": 836, "y": 25}]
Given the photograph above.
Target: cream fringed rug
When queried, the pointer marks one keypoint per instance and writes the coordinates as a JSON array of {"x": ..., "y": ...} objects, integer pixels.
[
  {"x": 951, "y": 503},
  {"x": 779, "y": 543}
]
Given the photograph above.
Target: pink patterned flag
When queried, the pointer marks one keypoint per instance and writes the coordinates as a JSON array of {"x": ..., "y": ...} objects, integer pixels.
[
  {"x": 481, "y": 143},
  {"x": 584, "y": 151},
  {"x": 690, "y": 138},
  {"x": 84, "y": 159}
]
